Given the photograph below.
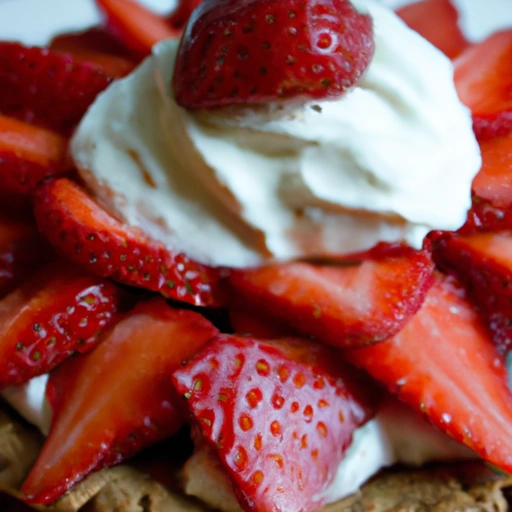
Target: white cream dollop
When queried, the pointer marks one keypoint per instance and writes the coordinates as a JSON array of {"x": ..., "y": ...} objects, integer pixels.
[{"x": 391, "y": 159}]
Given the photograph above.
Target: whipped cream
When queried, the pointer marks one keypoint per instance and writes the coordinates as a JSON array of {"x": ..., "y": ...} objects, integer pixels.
[
  {"x": 29, "y": 399},
  {"x": 391, "y": 159}
]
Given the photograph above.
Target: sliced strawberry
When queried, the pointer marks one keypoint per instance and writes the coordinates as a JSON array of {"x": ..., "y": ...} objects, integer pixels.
[
  {"x": 444, "y": 364},
  {"x": 118, "y": 399},
  {"x": 438, "y": 22},
  {"x": 280, "y": 415},
  {"x": 96, "y": 45},
  {"x": 345, "y": 306},
  {"x": 59, "y": 311},
  {"x": 47, "y": 88},
  {"x": 492, "y": 187},
  {"x": 137, "y": 27},
  {"x": 483, "y": 77},
  {"x": 484, "y": 263},
  {"x": 258, "y": 51},
  {"x": 86, "y": 233},
  {"x": 245, "y": 321},
  {"x": 28, "y": 155},
  {"x": 181, "y": 14}
]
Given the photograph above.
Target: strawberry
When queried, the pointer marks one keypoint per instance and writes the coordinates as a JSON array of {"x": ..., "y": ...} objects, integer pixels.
[
  {"x": 492, "y": 187},
  {"x": 114, "y": 401},
  {"x": 47, "y": 88},
  {"x": 483, "y": 261},
  {"x": 181, "y": 14},
  {"x": 60, "y": 311},
  {"x": 244, "y": 321},
  {"x": 444, "y": 32},
  {"x": 280, "y": 415},
  {"x": 28, "y": 155},
  {"x": 86, "y": 233},
  {"x": 345, "y": 306},
  {"x": 259, "y": 51},
  {"x": 135, "y": 26},
  {"x": 443, "y": 364},
  {"x": 483, "y": 77}
]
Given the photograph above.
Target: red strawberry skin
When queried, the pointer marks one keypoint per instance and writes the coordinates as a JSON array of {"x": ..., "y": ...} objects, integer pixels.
[
  {"x": 444, "y": 365},
  {"x": 87, "y": 234},
  {"x": 483, "y": 262},
  {"x": 259, "y": 51},
  {"x": 343, "y": 305},
  {"x": 47, "y": 88},
  {"x": 180, "y": 16},
  {"x": 118, "y": 399},
  {"x": 483, "y": 77},
  {"x": 279, "y": 413},
  {"x": 59, "y": 311}
]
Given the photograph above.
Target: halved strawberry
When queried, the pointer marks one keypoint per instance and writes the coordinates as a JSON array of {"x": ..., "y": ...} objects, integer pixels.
[
  {"x": 59, "y": 311},
  {"x": 258, "y": 51},
  {"x": 114, "y": 401},
  {"x": 181, "y": 14},
  {"x": 86, "y": 233},
  {"x": 483, "y": 77},
  {"x": 438, "y": 22},
  {"x": 136, "y": 26},
  {"x": 28, "y": 155},
  {"x": 345, "y": 306},
  {"x": 47, "y": 88},
  {"x": 492, "y": 187},
  {"x": 443, "y": 364},
  {"x": 280, "y": 415},
  {"x": 484, "y": 262}
]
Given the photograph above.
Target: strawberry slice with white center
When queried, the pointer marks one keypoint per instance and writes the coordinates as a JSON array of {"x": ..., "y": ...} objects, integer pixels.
[
  {"x": 118, "y": 399},
  {"x": 280, "y": 415},
  {"x": 343, "y": 305},
  {"x": 484, "y": 262},
  {"x": 48, "y": 88},
  {"x": 59, "y": 311},
  {"x": 483, "y": 77},
  {"x": 88, "y": 235},
  {"x": 444, "y": 365},
  {"x": 259, "y": 51}
]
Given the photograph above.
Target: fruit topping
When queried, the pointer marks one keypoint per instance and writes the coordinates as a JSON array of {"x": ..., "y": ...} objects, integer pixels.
[
  {"x": 135, "y": 25},
  {"x": 484, "y": 262},
  {"x": 48, "y": 88},
  {"x": 444, "y": 33},
  {"x": 344, "y": 305},
  {"x": 119, "y": 398},
  {"x": 483, "y": 77},
  {"x": 259, "y": 51},
  {"x": 492, "y": 187},
  {"x": 59, "y": 311},
  {"x": 87, "y": 234},
  {"x": 181, "y": 14},
  {"x": 280, "y": 415},
  {"x": 444, "y": 365},
  {"x": 28, "y": 155}
]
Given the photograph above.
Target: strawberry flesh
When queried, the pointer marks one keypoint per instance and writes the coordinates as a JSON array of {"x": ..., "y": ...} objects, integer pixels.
[
  {"x": 47, "y": 88},
  {"x": 343, "y": 305},
  {"x": 88, "y": 235},
  {"x": 60, "y": 311},
  {"x": 259, "y": 51},
  {"x": 483, "y": 77},
  {"x": 444, "y": 365},
  {"x": 280, "y": 415},
  {"x": 483, "y": 261},
  {"x": 444, "y": 33},
  {"x": 118, "y": 399}
]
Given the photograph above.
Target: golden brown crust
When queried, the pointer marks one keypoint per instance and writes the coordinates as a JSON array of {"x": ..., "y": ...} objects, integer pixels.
[{"x": 469, "y": 487}]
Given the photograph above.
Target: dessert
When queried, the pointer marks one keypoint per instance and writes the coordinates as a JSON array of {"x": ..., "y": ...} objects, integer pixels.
[{"x": 198, "y": 201}]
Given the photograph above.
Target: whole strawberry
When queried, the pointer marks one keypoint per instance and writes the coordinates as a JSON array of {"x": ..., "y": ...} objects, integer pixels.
[{"x": 257, "y": 51}]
